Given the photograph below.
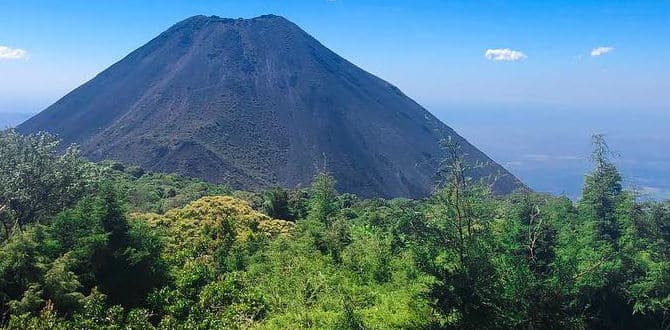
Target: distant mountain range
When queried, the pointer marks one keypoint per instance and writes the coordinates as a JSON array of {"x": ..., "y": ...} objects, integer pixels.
[{"x": 256, "y": 103}]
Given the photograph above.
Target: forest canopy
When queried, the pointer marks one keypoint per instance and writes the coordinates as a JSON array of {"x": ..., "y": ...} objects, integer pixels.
[{"x": 105, "y": 245}]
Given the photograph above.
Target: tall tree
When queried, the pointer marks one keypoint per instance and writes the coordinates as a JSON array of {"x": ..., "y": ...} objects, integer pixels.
[
  {"x": 322, "y": 205},
  {"x": 602, "y": 191},
  {"x": 36, "y": 180}
]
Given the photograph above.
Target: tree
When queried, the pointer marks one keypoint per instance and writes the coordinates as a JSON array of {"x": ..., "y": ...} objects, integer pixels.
[
  {"x": 602, "y": 191},
  {"x": 126, "y": 268},
  {"x": 276, "y": 204},
  {"x": 457, "y": 198},
  {"x": 455, "y": 247},
  {"x": 37, "y": 180},
  {"x": 322, "y": 205},
  {"x": 90, "y": 245},
  {"x": 613, "y": 216}
]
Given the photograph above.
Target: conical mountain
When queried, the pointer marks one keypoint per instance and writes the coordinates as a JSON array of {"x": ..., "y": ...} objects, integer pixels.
[{"x": 256, "y": 103}]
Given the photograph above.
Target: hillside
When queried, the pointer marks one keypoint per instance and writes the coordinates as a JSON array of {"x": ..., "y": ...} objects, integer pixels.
[{"x": 256, "y": 103}]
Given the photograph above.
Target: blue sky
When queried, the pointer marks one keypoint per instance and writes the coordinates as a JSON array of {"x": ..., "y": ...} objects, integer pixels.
[{"x": 432, "y": 50}]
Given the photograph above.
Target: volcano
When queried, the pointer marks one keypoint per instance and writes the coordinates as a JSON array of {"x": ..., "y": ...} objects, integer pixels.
[{"x": 256, "y": 103}]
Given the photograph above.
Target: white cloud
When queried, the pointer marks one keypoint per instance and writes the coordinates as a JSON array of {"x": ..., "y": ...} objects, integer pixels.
[
  {"x": 7, "y": 53},
  {"x": 504, "y": 54},
  {"x": 601, "y": 50}
]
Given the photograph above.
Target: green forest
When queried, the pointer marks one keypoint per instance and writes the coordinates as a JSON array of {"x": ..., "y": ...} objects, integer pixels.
[{"x": 108, "y": 246}]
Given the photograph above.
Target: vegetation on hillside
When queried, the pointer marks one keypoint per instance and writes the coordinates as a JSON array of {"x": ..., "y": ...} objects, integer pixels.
[{"x": 87, "y": 246}]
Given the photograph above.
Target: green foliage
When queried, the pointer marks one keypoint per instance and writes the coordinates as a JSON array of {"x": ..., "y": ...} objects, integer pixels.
[
  {"x": 208, "y": 246},
  {"x": 91, "y": 245},
  {"x": 322, "y": 199},
  {"x": 157, "y": 192},
  {"x": 602, "y": 191},
  {"x": 276, "y": 204},
  {"x": 36, "y": 181},
  {"x": 125, "y": 249}
]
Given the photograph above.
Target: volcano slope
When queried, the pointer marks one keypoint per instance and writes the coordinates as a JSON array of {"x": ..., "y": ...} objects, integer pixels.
[{"x": 256, "y": 103}]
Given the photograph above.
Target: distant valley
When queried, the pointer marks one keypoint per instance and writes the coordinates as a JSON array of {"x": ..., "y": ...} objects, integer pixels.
[
  {"x": 9, "y": 119},
  {"x": 548, "y": 148}
]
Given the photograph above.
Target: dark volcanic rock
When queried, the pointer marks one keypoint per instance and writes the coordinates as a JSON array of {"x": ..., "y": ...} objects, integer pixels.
[{"x": 255, "y": 103}]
